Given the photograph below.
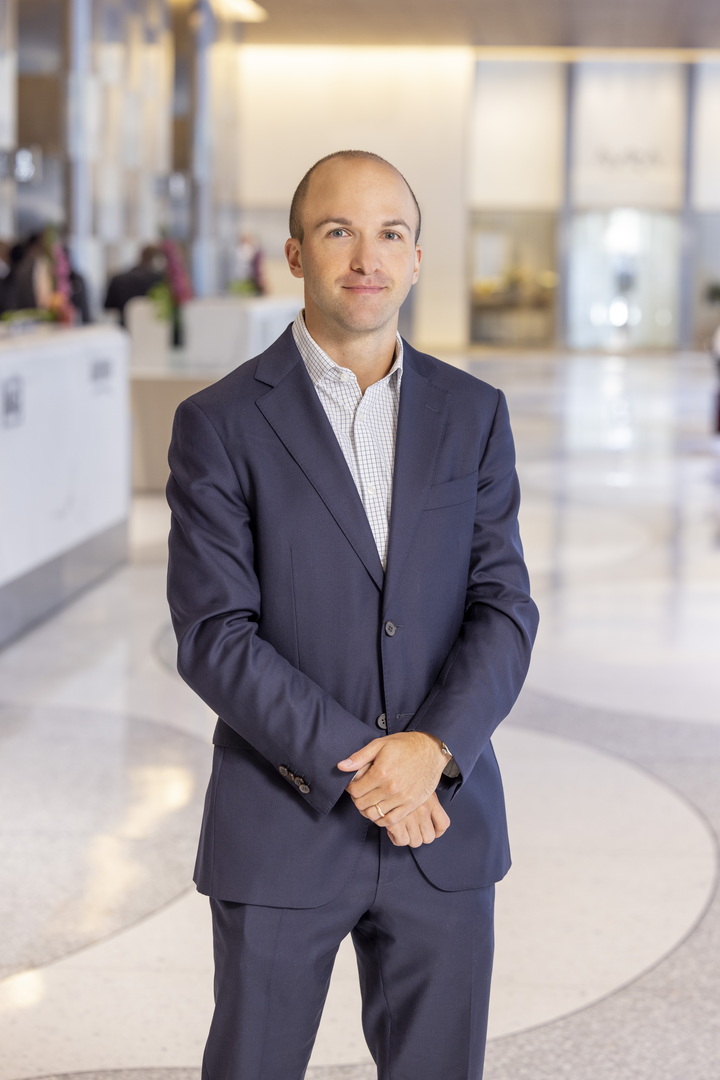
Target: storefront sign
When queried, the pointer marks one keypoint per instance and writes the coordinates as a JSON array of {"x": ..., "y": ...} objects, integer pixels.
[{"x": 628, "y": 135}]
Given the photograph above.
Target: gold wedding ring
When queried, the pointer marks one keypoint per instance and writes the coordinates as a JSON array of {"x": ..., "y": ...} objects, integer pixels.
[{"x": 379, "y": 810}]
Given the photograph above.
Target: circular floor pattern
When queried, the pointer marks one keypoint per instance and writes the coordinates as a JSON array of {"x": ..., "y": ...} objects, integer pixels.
[
  {"x": 664, "y": 1025},
  {"x": 612, "y": 868},
  {"x": 331, "y": 1072},
  {"x": 624, "y": 814},
  {"x": 99, "y": 817}
]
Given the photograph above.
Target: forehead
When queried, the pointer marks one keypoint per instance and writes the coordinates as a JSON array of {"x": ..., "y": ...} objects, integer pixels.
[{"x": 344, "y": 185}]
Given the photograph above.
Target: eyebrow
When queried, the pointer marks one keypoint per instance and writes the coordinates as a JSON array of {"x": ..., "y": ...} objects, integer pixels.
[{"x": 346, "y": 221}]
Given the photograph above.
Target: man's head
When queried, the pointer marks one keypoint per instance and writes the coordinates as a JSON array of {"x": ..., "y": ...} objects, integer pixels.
[
  {"x": 354, "y": 225},
  {"x": 298, "y": 200}
]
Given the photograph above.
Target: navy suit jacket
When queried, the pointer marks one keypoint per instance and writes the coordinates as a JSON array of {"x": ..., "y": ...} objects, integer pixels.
[{"x": 281, "y": 610}]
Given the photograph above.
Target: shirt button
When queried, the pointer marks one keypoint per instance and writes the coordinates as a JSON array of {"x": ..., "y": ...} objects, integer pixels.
[
  {"x": 371, "y": 489},
  {"x": 390, "y": 629},
  {"x": 382, "y": 721}
]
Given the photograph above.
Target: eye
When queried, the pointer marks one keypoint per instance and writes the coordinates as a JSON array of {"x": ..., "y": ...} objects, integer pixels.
[
  {"x": 392, "y": 236},
  {"x": 338, "y": 232}
]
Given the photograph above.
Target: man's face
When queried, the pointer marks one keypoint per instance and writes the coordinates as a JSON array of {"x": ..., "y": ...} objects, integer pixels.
[{"x": 358, "y": 256}]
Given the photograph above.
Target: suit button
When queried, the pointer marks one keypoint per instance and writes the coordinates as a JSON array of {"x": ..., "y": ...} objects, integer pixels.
[
  {"x": 290, "y": 775},
  {"x": 381, "y": 721},
  {"x": 305, "y": 789},
  {"x": 283, "y": 770},
  {"x": 299, "y": 781},
  {"x": 390, "y": 629}
]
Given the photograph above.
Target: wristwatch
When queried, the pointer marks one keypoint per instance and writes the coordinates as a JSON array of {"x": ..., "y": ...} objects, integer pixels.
[{"x": 451, "y": 769}]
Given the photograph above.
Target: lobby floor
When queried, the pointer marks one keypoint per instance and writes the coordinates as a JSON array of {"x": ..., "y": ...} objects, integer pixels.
[{"x": 608, "y": 926}]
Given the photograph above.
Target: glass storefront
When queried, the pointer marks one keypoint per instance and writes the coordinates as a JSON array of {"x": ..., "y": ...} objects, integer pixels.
[
  {"x": 513, "y": 277},
  {"x": 624, "y": 279}
]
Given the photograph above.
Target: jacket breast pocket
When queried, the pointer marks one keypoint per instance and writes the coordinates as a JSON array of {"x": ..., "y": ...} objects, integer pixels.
[{"x": 452, "y": 492}]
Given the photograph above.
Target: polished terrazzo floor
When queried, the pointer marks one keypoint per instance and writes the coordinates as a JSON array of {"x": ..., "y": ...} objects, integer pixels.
[{"x": 609, "y": 923}]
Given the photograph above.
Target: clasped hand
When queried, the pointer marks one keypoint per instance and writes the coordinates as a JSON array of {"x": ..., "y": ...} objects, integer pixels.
[{"x": 399, "y": 773}]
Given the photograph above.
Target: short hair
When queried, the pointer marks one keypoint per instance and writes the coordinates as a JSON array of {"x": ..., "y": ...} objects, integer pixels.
[{"x": 298, "y": 200}]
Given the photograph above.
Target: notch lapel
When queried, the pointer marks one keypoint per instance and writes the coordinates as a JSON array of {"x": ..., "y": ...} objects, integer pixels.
[
  {"x": 295, "y": 413},
  {"x": 421, "y": 422}
]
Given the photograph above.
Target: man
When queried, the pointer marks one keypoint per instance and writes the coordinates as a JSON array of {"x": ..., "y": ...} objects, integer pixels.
[
  {"x": 137, "y": 281},
  {"x": 349, "y": 594}
]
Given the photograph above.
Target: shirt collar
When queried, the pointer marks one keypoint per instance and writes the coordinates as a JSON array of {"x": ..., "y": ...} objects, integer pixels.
[{"x": 320, "y": 366}]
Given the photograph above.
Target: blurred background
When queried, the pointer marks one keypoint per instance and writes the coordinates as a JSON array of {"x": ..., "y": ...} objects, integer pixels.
[{"x": 566, "y": 156}]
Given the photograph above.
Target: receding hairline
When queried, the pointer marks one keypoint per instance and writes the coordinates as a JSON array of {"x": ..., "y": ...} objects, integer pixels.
[{"x": 297, "y": 231}]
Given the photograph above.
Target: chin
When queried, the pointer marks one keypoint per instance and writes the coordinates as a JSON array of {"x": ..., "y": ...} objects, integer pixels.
[{"x": 366, "y": 321}]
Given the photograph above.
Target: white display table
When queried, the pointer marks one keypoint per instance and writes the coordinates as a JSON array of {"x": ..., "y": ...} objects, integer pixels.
[{"x": 64, "y": 467}]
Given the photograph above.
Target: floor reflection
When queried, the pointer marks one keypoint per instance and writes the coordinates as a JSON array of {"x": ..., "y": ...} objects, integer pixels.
[{"x": 99, "y": 816}]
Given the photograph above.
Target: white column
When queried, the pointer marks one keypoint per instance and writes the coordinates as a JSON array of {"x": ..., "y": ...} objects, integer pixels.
[
  {"x": 82, "y": 142},
  {"x": 8, "y": 115},
  {"x": 203, "y": 252}
]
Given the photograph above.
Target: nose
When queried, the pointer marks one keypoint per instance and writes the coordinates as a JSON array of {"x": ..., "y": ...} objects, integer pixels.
[{"x": 365, "y": 257}]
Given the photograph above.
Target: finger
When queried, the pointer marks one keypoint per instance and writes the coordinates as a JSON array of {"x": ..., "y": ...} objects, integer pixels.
[
  {"x": 414, "y": 831},
  {"x": 358, "y": 775},
  {"x": 440, "y": 820},
  {"x": 379, "y": 796},
  {"x": 361, "y": 757},
  {"x": 372, "y": 814},
  {"x": 399, "y": 836},
  {"x": 427, "y": 827}
]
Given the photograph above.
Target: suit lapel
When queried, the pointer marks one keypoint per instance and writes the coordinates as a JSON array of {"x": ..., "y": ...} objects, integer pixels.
[
  {"x": 295, "y": 413},
  {"x": 421, "y": 423}
]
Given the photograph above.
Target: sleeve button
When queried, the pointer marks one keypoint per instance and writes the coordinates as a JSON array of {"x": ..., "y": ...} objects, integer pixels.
[
  {"x": 305, "y": 789},
  {"x": 283, "y": 770}
]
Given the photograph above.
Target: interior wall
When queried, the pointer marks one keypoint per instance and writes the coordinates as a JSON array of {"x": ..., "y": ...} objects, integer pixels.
[
  {"x": 517, "y": 136},
  {"x": 705, "y": 194},
  {"x": 409, "y": 105},
  {"x": 629, "y": 135}
]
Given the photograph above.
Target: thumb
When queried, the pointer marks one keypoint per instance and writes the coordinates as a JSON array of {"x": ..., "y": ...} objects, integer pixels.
[{"x": 362, "y": 757}]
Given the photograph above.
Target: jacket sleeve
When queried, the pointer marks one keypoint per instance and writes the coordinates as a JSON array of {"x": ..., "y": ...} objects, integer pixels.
[
  {"x": 215, "y": 602},
  {"x": 486, "y": 667}
]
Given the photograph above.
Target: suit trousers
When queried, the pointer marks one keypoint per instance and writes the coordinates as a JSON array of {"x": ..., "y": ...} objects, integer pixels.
[{"x": 424, "y": 958}]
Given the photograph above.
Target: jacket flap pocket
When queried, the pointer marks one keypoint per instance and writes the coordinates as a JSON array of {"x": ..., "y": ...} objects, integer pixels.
[
  {"x": 224, "y": 735},
  {"x": 452, "y": 492}
]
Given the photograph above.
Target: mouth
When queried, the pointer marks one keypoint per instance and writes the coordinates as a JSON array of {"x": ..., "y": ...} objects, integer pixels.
[{"x": 364, "y": 288}]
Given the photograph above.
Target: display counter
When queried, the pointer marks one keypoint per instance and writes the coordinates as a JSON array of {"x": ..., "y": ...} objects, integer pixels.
[{"x": 64, "y": 467}]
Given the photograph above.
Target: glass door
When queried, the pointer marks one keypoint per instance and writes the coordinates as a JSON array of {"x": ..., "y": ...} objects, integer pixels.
[{"x": 623, "y": 288}]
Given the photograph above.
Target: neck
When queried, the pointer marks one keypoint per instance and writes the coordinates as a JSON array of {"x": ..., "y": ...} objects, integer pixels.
[{"x": 369, "y": 355}]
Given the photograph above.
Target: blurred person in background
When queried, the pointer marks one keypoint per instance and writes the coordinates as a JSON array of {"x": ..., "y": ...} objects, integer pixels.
[
  {"x": 137, "y": 281},
  {"x": 715, "y": 354},
  {"x": 29, "y": 283},
  {"x": 78, "y": 292},
  {"x": 38, "y": 287},
  {"x": 5, "y": 265}
]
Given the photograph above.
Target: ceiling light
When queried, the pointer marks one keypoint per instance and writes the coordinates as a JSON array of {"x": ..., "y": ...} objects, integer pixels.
[{"x": 240, "y": 10}]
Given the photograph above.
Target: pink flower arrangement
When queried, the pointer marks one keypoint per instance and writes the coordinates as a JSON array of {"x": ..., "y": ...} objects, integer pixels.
[{"x": 176, "y": 275}]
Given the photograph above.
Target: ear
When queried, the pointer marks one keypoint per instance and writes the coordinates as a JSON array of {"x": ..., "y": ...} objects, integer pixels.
[
  {"x": 418, "y": 258},
  {"x": 293, "y": 254}
]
